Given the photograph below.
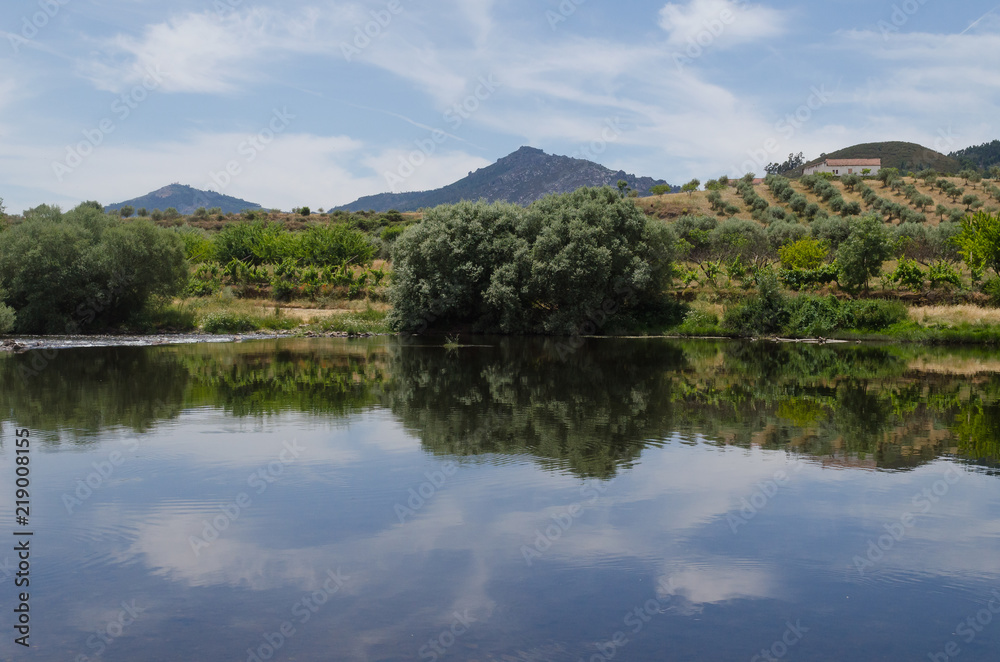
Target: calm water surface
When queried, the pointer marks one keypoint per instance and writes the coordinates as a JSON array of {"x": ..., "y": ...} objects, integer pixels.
[{"x": 631, "y": 500}]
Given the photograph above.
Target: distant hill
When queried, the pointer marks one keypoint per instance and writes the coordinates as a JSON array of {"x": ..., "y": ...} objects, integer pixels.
[
  {"x": 984, "y": 156},
  {"x": 186, "y": 200},
  {"x": 901, "y": 155},
  {"x": 522, "y": 177}
]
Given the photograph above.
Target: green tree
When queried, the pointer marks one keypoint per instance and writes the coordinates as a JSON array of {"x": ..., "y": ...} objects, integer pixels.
[
  {"x": 661, "y": 189},
  {"x": 562, "y": 264},
  {"x": 887, "y": 176},
  {"x": 979, "y": 243},
  {"x": 142, "y": 213},
  {"x": 861, "y": 255},
  {"x": 622, "y": 187},
  {"x": 126, "y": 211},
  {"x": 86, "y": 270},
  {"x": 691, "y": 186}
]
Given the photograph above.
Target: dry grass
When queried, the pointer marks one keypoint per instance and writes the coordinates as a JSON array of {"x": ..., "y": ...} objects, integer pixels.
[{"x": 952, "y": 316}]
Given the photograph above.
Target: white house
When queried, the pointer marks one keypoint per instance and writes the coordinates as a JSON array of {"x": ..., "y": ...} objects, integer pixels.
[{"x": 841, "y": 167}]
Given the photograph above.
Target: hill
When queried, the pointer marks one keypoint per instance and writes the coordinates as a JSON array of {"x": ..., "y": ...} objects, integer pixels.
[
  {"x": 904, "y": 156},
  {"x": 185, "y": 199},
  {"x": 984, "y": 156},
  {"x": 522, "y": 177}
]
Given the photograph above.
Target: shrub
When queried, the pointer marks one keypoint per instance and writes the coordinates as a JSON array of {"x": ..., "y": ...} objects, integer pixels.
[
  {"x": 738, "y": 237},
  {"x": 228, "y": 322},
  {"x": 780, "y": 234},
  {"x": 861, "y": 256},
  {"x": 565, "y": 263},
  {"x": 763, "y": 313},
  {"x": 7, "y": 318},
  {"x": 86, "y": 269},
  {"x": 832, "y": 230},
  {"x": 804, "y": 254}
]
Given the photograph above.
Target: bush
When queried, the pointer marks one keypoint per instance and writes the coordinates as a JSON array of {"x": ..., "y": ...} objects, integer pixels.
[
  {"x": 804, "y": 254},
  {"x": 783, "y": 233},
  {"x": 228, "y": 323},
  {"x": 861, "y": 256},
  {"x": 740, "y": 238},
  {"x": 84, "y": 269},
  {"x": 765, "y": 312},
  {"x": 7, "y": 318},
  {"x": 832, "y": 230},
  {"x": 566, "y": 263}
]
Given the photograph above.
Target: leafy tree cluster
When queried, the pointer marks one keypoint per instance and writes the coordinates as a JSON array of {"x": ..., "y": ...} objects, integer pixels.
[
  {"x": 83, "y": 270},
  {"x": 565, "y": 262},
  {"x": 794, "y": 161}
]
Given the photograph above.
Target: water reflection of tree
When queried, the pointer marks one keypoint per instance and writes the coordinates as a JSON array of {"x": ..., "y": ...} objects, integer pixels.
[
  {"x": 591, "y": 414},
  {"x": 82, "y": 392}
]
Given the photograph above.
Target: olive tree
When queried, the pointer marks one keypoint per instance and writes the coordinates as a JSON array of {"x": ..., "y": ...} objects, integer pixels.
[{"x": 860, "y": 256}]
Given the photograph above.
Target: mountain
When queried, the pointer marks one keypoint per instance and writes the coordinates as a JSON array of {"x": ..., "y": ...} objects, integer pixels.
[
  {"x": 901, "y": 155},
  {"x": 984, "y": 156},
  {"x": 522, "y": 177},
  {"x": 185, "y": 199}
]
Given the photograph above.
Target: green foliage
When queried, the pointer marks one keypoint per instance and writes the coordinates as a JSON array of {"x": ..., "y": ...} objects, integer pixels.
[
  {"x": 785, "y": 232},
  {"x": 979, "y": 243},
  {"x": 126, "y": 211},
  {"x": 691, "y": 186},
  {"x": 198, "y": 245},
  {"x": 805, "y": 254},
  {"x": 860, "y": 257},
  {"x": 832, "y": 230},
  {"x": 765, "y": 312},
  {"x": 565, "y": 263},
  {"x": 86, "y": 270},
  {"x": 736, "y": 237},
  {"x": 943, "y": 274},
  {"x": 8, "y": 317},
  {"x": 229, "y": 323},
  {"x": 909, "y": 275},
  {"x": 821, "y": 316}
]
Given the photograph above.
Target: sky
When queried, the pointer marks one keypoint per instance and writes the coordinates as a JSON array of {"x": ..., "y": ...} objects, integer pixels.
[{"x": 320, "y": 102}]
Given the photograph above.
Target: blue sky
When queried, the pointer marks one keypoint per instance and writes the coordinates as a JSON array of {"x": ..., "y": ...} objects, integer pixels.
[{"x": 320, "y": 102}]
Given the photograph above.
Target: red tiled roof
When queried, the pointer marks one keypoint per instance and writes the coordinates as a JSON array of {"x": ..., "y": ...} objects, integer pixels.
[{"x": 844, "y": 163}]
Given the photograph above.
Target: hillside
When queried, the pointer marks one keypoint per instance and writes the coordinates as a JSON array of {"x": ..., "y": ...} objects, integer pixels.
[
  {"x": 942, "y": 205},
  {"x": 522, "y": 177},
  {"x": 185, "y": 199},
  {"x": 904, "y": 156},
  {"x": 984, "y": 156}
]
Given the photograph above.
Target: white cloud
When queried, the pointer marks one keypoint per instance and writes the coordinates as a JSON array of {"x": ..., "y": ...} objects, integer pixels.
[{"x": 719, "y": 23}]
